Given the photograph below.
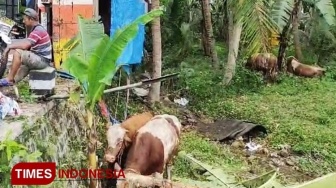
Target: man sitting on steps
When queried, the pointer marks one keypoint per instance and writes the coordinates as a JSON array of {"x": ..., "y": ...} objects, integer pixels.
[{"x": 32, "y": 53}]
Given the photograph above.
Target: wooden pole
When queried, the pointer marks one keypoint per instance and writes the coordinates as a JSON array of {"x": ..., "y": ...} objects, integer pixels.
[{"x": 120, "y": 88}]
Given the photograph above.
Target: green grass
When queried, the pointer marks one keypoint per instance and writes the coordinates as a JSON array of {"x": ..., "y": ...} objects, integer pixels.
[
  {"x": 25, "y": 95},
  {"x": 205, "y": 151},
  {"x": 298, "y": 112}
]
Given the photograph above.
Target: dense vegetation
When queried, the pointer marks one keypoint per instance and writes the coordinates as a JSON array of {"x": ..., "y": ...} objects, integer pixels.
[
  {"x": 298, "y": 112},
  {"x": 210, "y": 57}
]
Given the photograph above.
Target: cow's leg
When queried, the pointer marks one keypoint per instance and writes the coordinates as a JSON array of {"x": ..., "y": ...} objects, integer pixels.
[{"x": 169, "y": 168}]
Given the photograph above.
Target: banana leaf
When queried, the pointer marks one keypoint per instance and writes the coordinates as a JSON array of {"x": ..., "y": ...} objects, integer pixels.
[
  {"x": 94, "y": 58},
  {"x": 216, "y": 177},
  {"x": 267, "y": 180},
  {"x": 103, "y": 62},
  {"x": 327, "y": 181}
]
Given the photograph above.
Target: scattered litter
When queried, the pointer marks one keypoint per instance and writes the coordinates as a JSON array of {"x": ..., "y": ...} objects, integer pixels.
[
  {"x": 181, "y": 101},
  {"x": 8, "y": 106},
  {"x": 252, "y": 147},
  {"x": 140, "y": 92}
]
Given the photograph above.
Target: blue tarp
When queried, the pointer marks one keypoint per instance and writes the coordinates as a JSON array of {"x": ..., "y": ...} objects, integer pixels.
[
  {"x": 30, "y": 4},
  {"x": 124, "y": 12}
]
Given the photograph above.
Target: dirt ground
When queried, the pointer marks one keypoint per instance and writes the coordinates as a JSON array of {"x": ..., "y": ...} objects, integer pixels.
[{"x": 264, "y": 159}]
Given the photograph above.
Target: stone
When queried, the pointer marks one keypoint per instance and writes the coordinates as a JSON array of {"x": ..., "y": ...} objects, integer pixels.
[
  {"x": 277, "y": 162},
  {"x": 274, "y": 155},
  {"x": 290, "y": 162},
  {"x": 284, "y": 153},
  {"x": 237, "y": 144},
  {"x": 42, "y": 82},
  {"x": 264, "y": 151}
]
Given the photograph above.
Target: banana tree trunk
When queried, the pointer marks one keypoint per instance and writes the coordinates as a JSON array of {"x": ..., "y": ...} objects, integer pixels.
[
  {"x": 297, "y": 44},
  {"x": 92, "y": 143},
  {"x": 209, "y": 32},
  {"x": 154, "y": 93},
  {"x": 234, "y": 39}
]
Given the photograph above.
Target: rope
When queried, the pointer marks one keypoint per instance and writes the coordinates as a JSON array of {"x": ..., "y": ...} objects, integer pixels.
[
  {"x": 127, "y": 97},
  {"x": 116, "y": 109}
]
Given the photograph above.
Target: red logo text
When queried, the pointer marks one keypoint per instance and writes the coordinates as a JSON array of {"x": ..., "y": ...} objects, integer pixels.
[{"x": 44, "y": 173}]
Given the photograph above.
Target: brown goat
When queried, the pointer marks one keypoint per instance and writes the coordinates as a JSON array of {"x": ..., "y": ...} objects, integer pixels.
[
  {"x": 265, "y": 63},
  {"x": 300, "y": 69}
]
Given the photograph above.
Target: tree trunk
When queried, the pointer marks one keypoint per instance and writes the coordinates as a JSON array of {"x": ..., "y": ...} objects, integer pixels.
[
  {"x": 209, "y": 32},
  {"x": 234, "y": 39},
  {"x": 297, "y": 45},
  {"x": 205, "y": 42},
  {"x": 284, "y": 36},
  {"x": 226, "y": 30},
  {"x": 154, "y": 93},
  {"x": 92, "y": 143}
]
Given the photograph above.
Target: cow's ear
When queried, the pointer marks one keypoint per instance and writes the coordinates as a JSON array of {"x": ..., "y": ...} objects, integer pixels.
[{"x": 127, "y": 139}]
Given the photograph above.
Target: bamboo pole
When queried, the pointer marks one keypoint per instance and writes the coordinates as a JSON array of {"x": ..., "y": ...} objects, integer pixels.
[{"x": 120, "y": 88}]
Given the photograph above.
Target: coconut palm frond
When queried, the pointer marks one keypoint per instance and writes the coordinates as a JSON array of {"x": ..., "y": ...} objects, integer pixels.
[
  {"x": 257, "y": 23},
  {"x": 281, "y": 12}
]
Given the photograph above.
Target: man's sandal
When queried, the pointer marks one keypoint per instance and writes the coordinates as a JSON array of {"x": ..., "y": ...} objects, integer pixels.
[{"x": 5, "y": 83}]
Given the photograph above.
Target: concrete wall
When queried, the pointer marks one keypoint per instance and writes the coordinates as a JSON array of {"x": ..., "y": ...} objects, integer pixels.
[{"x": 52, "y": 129}]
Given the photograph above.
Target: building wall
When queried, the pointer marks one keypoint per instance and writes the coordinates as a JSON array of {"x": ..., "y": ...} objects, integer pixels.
[{"x": 65, "y": 13}]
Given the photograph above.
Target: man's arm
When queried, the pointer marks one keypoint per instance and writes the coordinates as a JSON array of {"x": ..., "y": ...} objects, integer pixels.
[{"x": 23, "y": 44}]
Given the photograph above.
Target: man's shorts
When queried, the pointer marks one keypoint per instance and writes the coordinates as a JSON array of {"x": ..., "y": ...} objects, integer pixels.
[{"x": 32, "y": 60}]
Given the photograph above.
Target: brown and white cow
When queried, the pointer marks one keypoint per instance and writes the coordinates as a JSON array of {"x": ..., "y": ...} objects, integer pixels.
[
  {"x": 300, "y": 69},
  {"x": 152, "y": 151},
  {"x": 119, "y": 136},
  {"x": 265, "y": 63}
]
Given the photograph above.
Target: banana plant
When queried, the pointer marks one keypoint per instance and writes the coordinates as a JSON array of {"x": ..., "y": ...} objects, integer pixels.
[{"x": 93, "y": 61}]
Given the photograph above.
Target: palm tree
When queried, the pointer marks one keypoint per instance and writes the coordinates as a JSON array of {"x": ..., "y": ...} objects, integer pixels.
[
  {"x": 154, "y": 94},
  {"x": 208, "y": 33},
  {"x": 260, "y": 18}
]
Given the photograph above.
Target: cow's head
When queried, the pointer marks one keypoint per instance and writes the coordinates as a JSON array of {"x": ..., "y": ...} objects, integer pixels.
[
  {"x": 292, "y": 64},
  {"x": 117, "y": 139}
]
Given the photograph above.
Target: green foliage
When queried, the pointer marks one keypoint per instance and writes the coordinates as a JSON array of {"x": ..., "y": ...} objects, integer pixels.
[
  {"x": 216, "y": 176},
  {"x": 266, "y": 180},
  {"x": 281, "y": 11},
  {"x": 325, "y": 7},
  {"x": 257, "y": 23},
  {"x": 10, "y": 149},
  {"x": 97, "y": 62},
  {"x": 290, "y": 109},
  {"x": 208, "y": 152},
  {"x": 181, "y": 24}
]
